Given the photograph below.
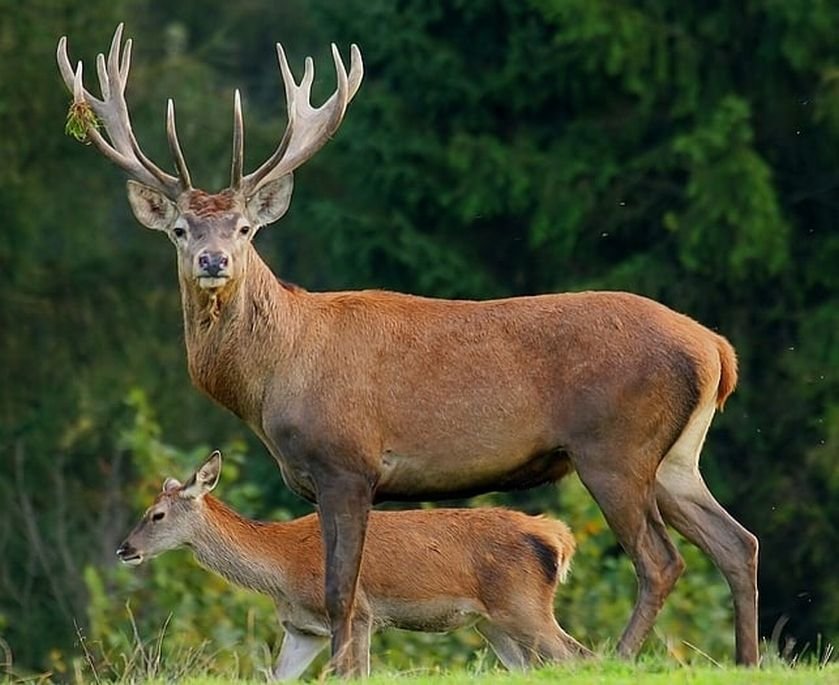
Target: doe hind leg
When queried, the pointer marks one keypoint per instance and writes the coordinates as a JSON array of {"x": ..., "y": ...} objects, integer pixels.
[
  {"x": 525, "y": 645},
  {"x": 361, "y": 629},
  {"x": 688, "y": 506},
  {"x": 506, "y": 648}
]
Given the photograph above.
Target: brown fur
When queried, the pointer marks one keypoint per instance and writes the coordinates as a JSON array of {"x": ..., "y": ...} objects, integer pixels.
[
  {"x": 203, "y": 204},
  {"x": 372, "y": 395},
  {"x": 414, "y": 555},
  {"x": 428, "y": 570},
  {"x": 728, "y": 371}
]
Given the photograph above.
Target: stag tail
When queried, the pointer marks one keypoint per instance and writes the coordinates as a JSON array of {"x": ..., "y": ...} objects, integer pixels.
[{"x": 728, "y": 371}]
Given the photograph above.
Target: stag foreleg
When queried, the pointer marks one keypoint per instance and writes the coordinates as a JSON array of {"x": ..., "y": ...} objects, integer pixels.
[{"x": 344, "y": 503}]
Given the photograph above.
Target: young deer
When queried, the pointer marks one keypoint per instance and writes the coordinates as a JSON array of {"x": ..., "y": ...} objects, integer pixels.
[
  {"x": 369, "y": 396},
  {"x": 431, "y": 570}
]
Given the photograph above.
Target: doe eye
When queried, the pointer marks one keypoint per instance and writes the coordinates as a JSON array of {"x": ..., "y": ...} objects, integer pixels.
[
  {"x": 157, "y": 516},
  {"x": 179, "y": 232},
  {"x": 244, "y": 230}
]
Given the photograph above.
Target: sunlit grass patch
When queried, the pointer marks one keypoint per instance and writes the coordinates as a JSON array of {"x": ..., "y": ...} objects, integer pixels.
[{"x": 607, "y": 672}]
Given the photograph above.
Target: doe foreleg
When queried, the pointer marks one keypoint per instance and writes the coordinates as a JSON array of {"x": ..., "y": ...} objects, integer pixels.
[{"x": 298, "y": 651}]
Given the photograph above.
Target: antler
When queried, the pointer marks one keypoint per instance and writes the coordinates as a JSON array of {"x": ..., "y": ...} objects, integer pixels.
[
  {"x": 112, "y": 111},
  {"x": 308, "y": 127}
]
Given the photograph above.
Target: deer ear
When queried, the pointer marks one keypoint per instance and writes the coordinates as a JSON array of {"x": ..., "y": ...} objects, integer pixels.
[
  {"x": 270, "y": 201},
  {"x": 171, "y": 484},
  {"x": 151, "y": 207},
  {"x": 205, "y": 478}
]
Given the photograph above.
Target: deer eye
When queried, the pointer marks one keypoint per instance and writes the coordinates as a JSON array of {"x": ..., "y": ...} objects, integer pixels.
[
  {"x": 179, "y": 232},
  {"x": 157, "y": 516},
  {"x": 244, "y": 230}
]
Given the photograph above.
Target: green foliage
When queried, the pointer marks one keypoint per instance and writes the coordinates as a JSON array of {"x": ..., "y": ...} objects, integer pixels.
[
  {"x": 80, "y": 119},
  {"x": 732, "y": 222}
]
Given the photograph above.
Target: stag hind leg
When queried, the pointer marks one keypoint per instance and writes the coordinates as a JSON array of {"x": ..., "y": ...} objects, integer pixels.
[
  {"x": 688, "y": 506},
  {"x": 624, "y": 489}
]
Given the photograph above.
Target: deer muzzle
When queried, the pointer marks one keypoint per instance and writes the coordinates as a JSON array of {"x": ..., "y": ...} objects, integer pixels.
[
  {"x": 211, "y": 268},
  {"x": 128, "y": 554}
]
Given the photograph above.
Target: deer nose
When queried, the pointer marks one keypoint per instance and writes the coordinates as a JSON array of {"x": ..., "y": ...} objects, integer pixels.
[
  {"x": 126, "y": 550},
  {"x": 212, "y": 263}
]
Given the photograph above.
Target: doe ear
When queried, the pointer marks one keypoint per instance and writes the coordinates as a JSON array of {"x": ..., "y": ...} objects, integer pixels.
[
  {"x": 151, "y": 207},
  {"x": 270, "y": 201},
  {"x": 171, "y": 484},
  {"x": 205, "y": 478}
]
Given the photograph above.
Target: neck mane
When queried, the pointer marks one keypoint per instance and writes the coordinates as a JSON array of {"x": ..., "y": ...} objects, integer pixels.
[
  {"x": 235, "y": 334},
  {"x": 234, "y": 547}
]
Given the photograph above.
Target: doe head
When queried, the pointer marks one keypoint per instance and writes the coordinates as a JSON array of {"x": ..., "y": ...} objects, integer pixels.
[{"x": 175, "y": 518}]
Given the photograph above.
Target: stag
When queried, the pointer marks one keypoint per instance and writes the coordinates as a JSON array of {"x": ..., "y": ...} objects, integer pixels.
[
  {"x": 430, "y": 570},
  {"x": 364, "y": 396}
]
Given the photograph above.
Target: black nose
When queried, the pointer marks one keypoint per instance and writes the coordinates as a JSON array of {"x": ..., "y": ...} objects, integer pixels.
[
  {"x": 212, "y": 263},
  {"x": 126, "y": 550}
]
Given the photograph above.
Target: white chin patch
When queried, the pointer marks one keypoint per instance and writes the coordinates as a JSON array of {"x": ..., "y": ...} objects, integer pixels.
[
  {"x": 209, "y": 283},
  {"x": 133, "y": 561}
]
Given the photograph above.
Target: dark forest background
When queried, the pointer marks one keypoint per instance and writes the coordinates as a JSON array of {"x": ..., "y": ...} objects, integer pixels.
[{"x": 688, "y": 151}]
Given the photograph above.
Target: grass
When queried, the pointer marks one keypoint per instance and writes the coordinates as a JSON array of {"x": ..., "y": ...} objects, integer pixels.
[
  {"x": 607, "y": 672},
  {"x": 147, "y": 663},
  {"x": 653, "y": 669}
]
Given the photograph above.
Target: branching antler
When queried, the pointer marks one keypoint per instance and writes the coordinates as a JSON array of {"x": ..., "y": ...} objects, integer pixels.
[
  {"x": 308, "y": 128},
  {"x": 122, "y": 147},
  {"x": 307, "y": 131}
]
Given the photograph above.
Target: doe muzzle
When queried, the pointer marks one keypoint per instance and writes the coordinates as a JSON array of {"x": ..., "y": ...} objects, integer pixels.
[{"x": 126, "y": 551}]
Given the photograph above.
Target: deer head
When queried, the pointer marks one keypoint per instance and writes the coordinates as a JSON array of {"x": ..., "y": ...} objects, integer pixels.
[
  {"x": 211, "y": 231},
  {"x": 175, "y": 517}
]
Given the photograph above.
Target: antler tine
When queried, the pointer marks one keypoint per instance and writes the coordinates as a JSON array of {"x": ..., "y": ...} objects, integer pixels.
[
  {"x": 356, "y": 71},
  {"x": 237, "y": 165},
  {"x": 101, "y": 71},
  {"x": 308, "y": 128},
  {"x": 113, "y": 55},
  {"x": 175, "y": 146},
  {"x": 78, "y": 88},
  {"x": 112, "y": 111}
]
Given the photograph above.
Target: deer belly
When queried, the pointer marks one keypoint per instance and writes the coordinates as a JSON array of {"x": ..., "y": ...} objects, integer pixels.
[
  {"x": 407, "y": 476},
  {"x": 437, "y": 615}
]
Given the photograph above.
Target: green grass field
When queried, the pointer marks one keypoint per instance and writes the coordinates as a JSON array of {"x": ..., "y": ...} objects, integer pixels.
[
  {"x": 653, "y": 669},
  {"x": 148, "y": 662},
  {"x": 604, "y": 673}
]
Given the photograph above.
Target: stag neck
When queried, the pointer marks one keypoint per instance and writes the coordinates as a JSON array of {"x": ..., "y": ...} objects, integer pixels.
[
  {"x": 234, "y": 547},
  {"x": 237, "y": 334}
]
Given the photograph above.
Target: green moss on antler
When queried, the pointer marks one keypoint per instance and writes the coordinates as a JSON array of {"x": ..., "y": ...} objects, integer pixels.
[{"x": 80, "y": 119}]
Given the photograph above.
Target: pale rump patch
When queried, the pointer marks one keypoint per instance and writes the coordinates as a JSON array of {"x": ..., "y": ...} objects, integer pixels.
[{"x": 678, "y": 472}]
